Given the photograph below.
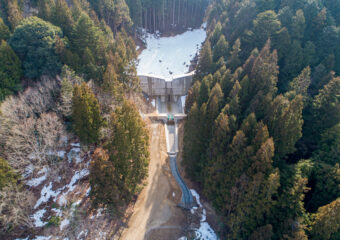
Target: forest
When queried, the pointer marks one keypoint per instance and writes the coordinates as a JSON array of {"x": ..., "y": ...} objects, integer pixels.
[
  {"x": 67, "y": 78},
  {"x": 262, "y": 135}
]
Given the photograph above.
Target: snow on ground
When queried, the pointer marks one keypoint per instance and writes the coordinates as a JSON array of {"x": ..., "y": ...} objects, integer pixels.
[
  {"x": 47, "y": 192},
  {"x": 204, "y": 232},
  {"x": 34, "y": 182},
  {"x": 58, "y": 212},
  {"x": 36, "y": 238},
  {"x": 42, "y": 238},
  {"x": 37, "y": 216},
  {"x": 64, "y": 223},
  {"x": 88, "y": 192},
  {"x": 167, "y": 55},
  {"x": 82, "y": 234},
  {"x": 74, "y": 154}
]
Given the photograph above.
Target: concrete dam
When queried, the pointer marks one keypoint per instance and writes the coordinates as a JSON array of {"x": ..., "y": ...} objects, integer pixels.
[
  {"x": 169, "y": 105},
  {"x": 167, "y": 90}
]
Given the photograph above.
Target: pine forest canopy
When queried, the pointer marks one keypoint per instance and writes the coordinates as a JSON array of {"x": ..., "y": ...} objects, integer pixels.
[
  {"x": 164, "y": 15},
  {"x": 261, "y": 137}
]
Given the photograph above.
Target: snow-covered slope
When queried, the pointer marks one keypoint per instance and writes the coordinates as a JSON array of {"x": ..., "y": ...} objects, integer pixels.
[{"x": 170, "y": 56}]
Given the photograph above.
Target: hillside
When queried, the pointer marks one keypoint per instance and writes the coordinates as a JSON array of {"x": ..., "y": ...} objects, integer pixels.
[{"x": 169, "y": 119}]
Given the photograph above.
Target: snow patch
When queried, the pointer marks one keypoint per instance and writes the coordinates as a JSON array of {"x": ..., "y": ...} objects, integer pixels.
[
  {"x": 42, "y": 238},
  {"x": 64, "y": 223},
  {"x": 173, "y": 194},
  {"x": 204, "y": 231},
  {"x": 88, "y": 192},
  {"x": 74, "y": 154},
  {"x": 35, "y": 182},
  {"x": 37, "y": 218},
  {"x": 170, "y": 56},
  {"x": 183, "y": 238},
  {"x": 47, "y": 192},
  {"x": 75, "y": 145},
  {"x": 58, "y": 212},
  {"x": 82, "y": 234}
]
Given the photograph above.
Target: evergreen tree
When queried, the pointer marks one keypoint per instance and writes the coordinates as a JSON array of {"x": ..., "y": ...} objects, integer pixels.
[
  {"x": 110, "y": 81},
  {"x": 324, "y": 112},
  {"x": 328, "y": 149},
  {"x": 298, "y": 25},
  {"x": 220, "y": 49},
  {"x": 326, "y": 221},
  {"x": 34, "y": 41},
  {"x": 217, "y": 34},
  {"x": 262, "y": 81},
  {"x": 62, "y": 17},
  {"x": 285, "y": 123},
  {"x": 128, "y": 149},
  {"x": 205, "y": 61},
  {"x": 266, "y": 25},
  {"x": 7, "y": 175},
  {"x": 14, "y": 13},
  {"x": 10, "y": 71},
  {"x": 86, "y": 116},
  {"x": 204, "y": 92},
  {"x": 301, "y": 83},
  {"x": 234, "y": 60},
  {"x": 104, "y": 180},
  {"x": 4, "y": 31},
  {"x": 85, "y": 35}
]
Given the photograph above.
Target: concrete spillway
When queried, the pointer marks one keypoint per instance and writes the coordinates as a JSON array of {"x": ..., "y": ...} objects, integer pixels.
[{"x": 171, "y": 132}]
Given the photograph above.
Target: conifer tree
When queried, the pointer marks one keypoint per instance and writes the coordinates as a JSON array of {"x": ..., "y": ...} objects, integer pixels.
[
  {"x": 220, "y": 49},
  {"x": 285, "y": 123},
  {"x": 216, "y": 35},
  {"x": 4, "y": 31},
  {"x": 234, "y": 61},
  {"x": 10, "y": 71},
  {"x": 85, "y": 35},
  {"x": 324, "y": 112},
  {"x": 128, "y": 148},
  {"x": 14, "y": 13},
  {"x": 104, "y": 181},
  {"x": 205, "y": 61},
  {"x": 301, "y": 83},
  {"x": 7, "y": 175},
  {"x": 62, "y": 17},
  {"x": 326, "y": 221},
  {"x": 34, "y": 41},
  {"x": 86, "y": 115},
  {"x": 204, "y": 92}
]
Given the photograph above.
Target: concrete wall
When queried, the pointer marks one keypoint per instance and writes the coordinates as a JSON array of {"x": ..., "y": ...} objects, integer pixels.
[{"x": 159, "y": 86}]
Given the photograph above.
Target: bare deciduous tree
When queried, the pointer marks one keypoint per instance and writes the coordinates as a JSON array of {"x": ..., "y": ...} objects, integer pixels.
[
  {"x": 35, "y": 141},
  {"x": 15, "y": 205}
]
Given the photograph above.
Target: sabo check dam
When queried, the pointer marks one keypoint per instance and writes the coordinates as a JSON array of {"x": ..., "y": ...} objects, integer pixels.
[{"x": 168, "y": 97}]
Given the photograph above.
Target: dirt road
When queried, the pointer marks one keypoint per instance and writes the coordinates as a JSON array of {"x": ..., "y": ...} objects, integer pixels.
[{"x": 156, "y": 205}]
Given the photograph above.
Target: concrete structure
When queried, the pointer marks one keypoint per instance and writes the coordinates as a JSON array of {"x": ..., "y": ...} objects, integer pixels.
[
  {"x": 168, "y": 90},
  {"x": 168, "y": 102}
]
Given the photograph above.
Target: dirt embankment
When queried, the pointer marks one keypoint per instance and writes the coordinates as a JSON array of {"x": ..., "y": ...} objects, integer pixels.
[{"x": 156, "y": 205}]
